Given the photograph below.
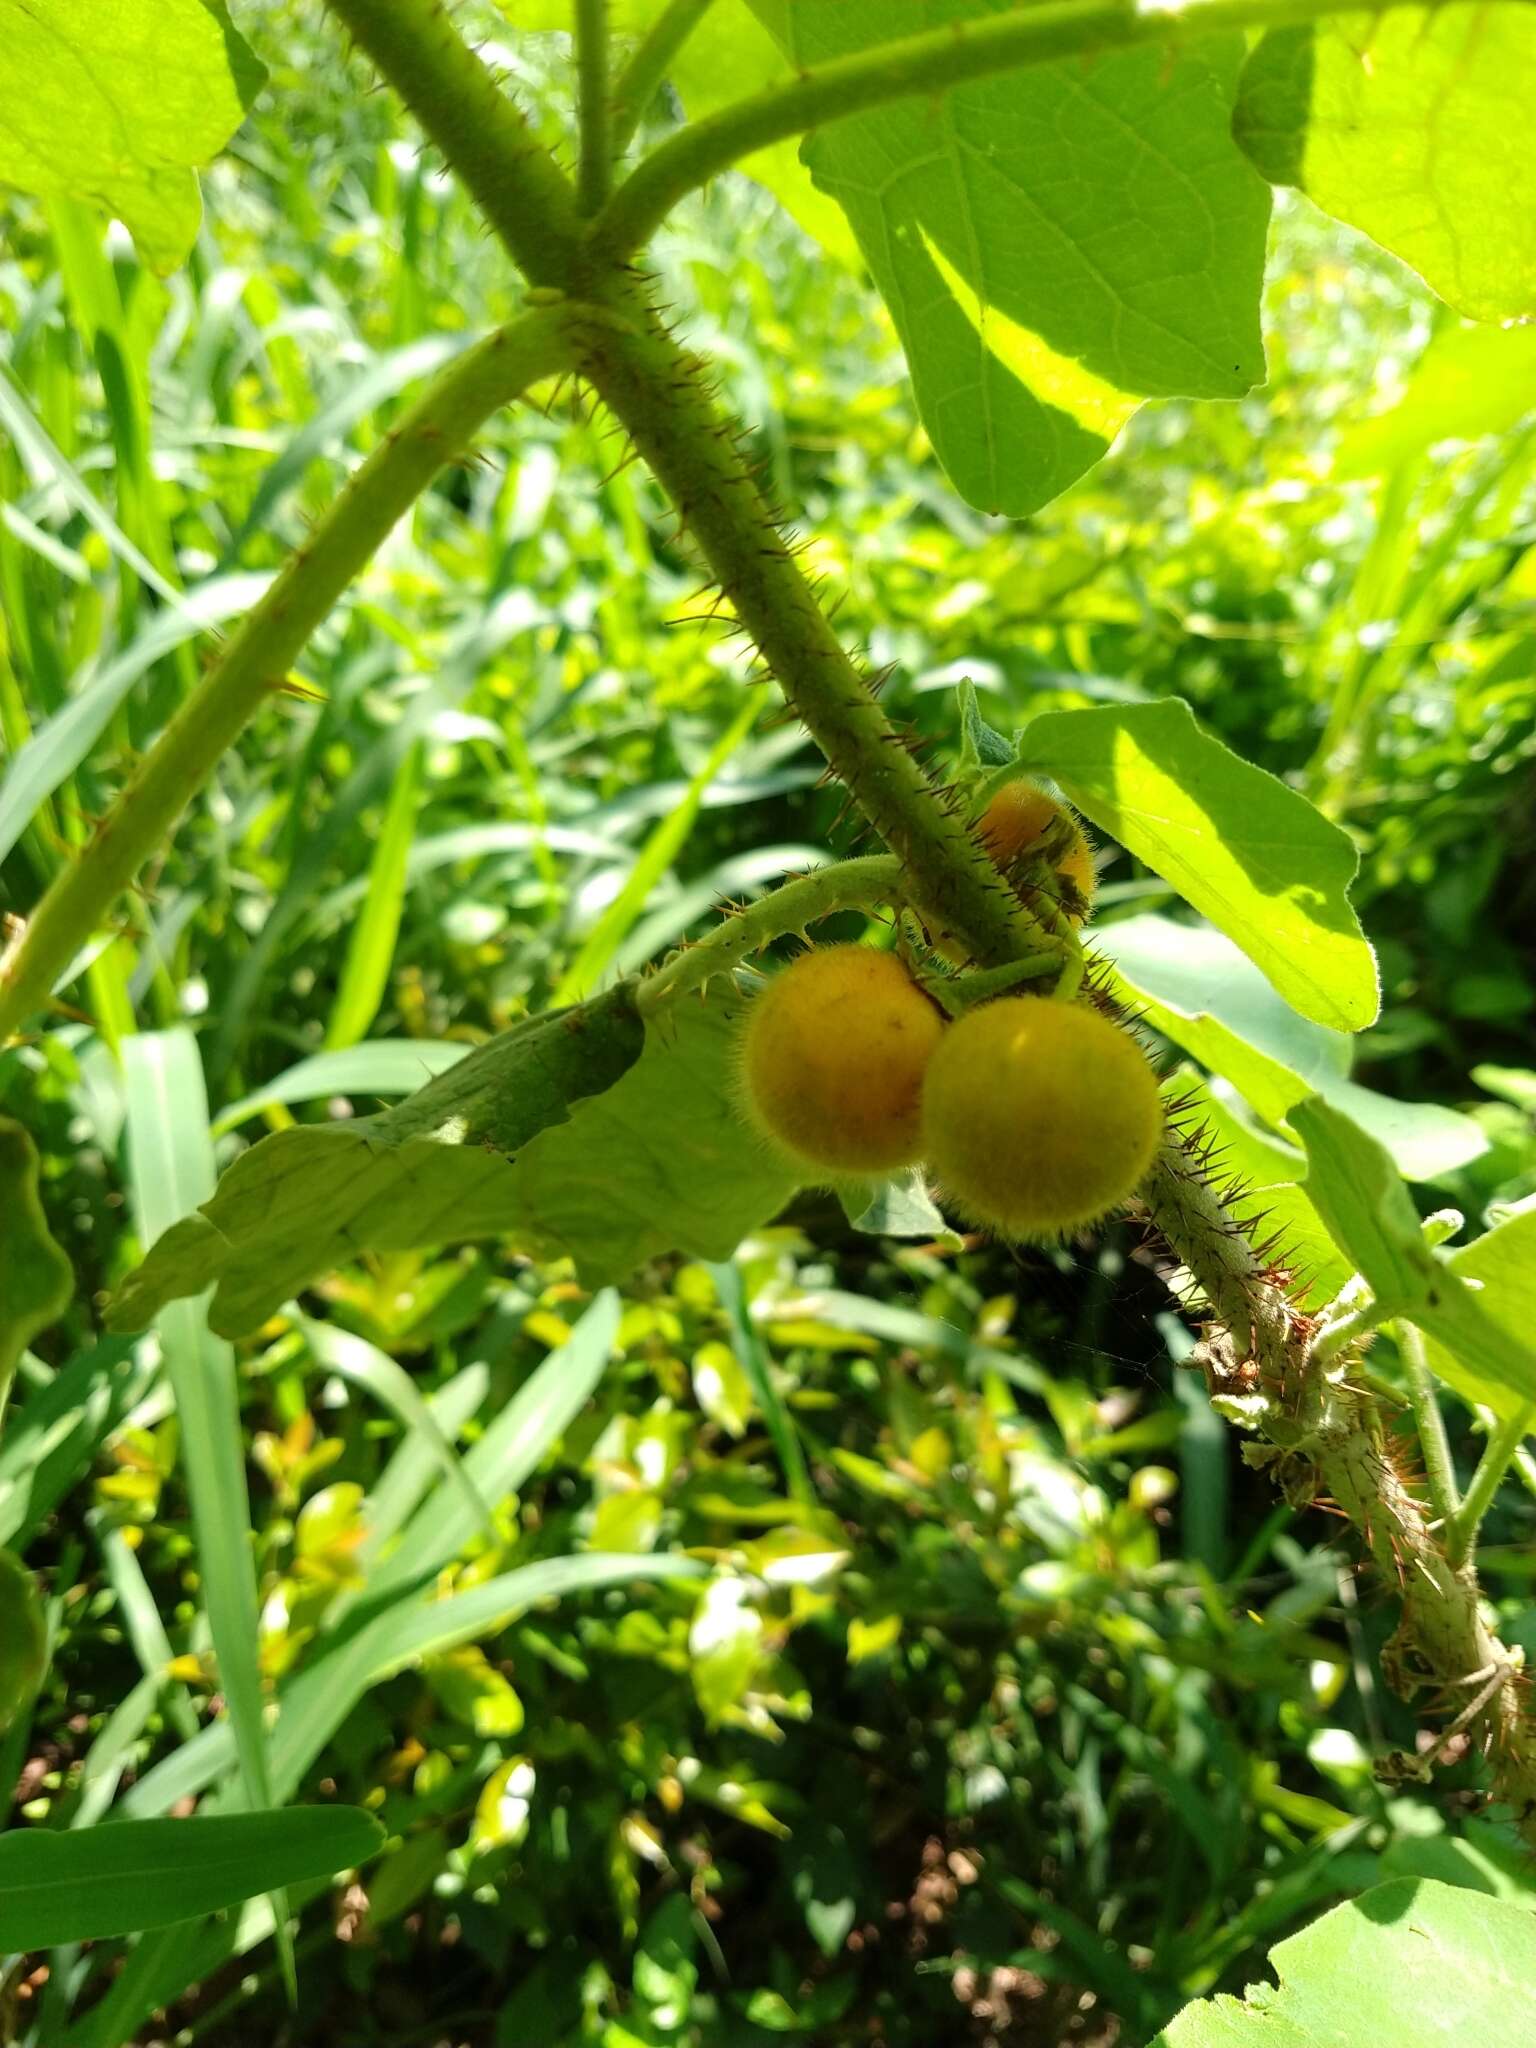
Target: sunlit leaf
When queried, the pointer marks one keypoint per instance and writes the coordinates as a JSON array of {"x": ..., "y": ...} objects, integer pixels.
[
  {"x": 1410, "y": 1961},
  {"x": 1413, "y": 125},
  {"x": 116, "y": 102},
  {"x": 1055, "y": 243},
  {"x": 1250, "y": 853}
]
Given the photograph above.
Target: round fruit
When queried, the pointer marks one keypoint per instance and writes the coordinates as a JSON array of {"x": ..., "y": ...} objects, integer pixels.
[
  {"x": 23, "y": 1638},
  {"x": 1038, "y": 1116},
  {"x": 833, "y": 1060},
  {"x": 1018, "y": 818}
]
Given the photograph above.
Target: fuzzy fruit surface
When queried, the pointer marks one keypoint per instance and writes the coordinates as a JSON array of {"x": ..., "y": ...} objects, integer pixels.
[
  {"x": 1038, "y": 1116},
  {"x": 1016, "y": 820},
  {"x": 23, "y": 1638},
  {"x": 833, "y": 1060}
]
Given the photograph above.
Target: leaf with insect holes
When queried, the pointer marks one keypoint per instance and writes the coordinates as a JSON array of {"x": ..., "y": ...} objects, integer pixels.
[
  {"x": 117, "y": 101},
  {"x": 577, "y": 1134}
]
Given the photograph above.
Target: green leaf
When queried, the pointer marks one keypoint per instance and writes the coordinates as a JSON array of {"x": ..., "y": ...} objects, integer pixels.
[
  {"x": 1415, "y": 126},
  {"x": 1409, "y": 1962},
  {"x": 38, "y": 1278},
  {"x": 1355, "y": 1189},
  {"x": 1197, "y": 989},
  {"x": 1502, "y": 1266},
  {"x": 117, "y": 101},
  {"x": 1261, "y": 863},
  {"x": 895, "y": 1208},
  {"x": 1360, "y": 1197},
  {"x": 90, "y": 1884},
  {"x": 384, "y": 1066},
  {"x": 1055, "y": 244},
  {"x": 555, "y": 1135}
]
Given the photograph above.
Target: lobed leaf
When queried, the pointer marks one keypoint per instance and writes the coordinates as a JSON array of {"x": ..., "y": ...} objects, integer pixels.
[
  {"x": 1055, "y": 244},
  {"x": 562, "y": 1134}
]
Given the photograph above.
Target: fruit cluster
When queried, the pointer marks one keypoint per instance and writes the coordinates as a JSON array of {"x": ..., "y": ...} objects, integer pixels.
[{"x": 1036, "y": 1116}]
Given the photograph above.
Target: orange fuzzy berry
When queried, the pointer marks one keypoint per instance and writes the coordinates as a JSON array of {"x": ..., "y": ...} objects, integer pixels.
[
  {"x": 1038, "y": 1116},
  {"x": 1018, "y": 817},
  {"x": 833, "y": 1058}
]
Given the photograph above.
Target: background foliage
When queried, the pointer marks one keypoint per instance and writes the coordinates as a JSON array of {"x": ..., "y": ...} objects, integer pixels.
[{"x": 1007, "y": 1706}]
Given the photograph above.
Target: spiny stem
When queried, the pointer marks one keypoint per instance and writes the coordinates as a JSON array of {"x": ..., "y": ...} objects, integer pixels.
[
  {"x": 656, "y": 391},
  {"x": 593, "y": 108},
  {"x": 516, "y": 182},
  {"x": 920, "y": 66},
  {"x": 1423, "y": 1398},
  {"x": 255, "y": 663},
  {"x": 1504, "y": 1439},
  {"x": 866, "y": 884},
  {"x": 642, "y": 76},
  {"x": 1321, "y": 1423}
]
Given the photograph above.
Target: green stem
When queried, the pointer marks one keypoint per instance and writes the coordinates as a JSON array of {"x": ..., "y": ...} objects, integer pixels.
[
  {"x": 255, "y": 663},
  {"x": 642, "y": 76},
  {"x": 594, "y": 110},
  {"x": 1424, "y": 1399},
  {"x": 518, "y": 185},
  {"x": 919, "y": 66},
  {"x": 845, "y": 885},
  {"x": 658, "y": 393},
  {"x": 1504, "y": 1441},
  {"x": 1347, "y": 1330}
]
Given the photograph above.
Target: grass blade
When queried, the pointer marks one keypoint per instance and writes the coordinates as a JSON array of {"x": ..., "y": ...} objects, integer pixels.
[
  {"x": 355, "y": 1359},
  {"x": 92, "y": 1884},
  {"x": 371, "y": 949},
  {"x": 656, "y": 856}
]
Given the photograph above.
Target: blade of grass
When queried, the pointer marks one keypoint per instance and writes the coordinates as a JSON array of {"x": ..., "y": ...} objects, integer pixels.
[
  {"x": 172, "y": 1171},
  {"x": 56, "y": 749},
  {"x": 52, "y": 1436},
  {"x": 355, "y": 1359},
  {"x": 748, "y": 1347},
  {"x": 371, "y": 948},
  {"x": 141, "y": 1621},
  {"x": 46, "y": 462},
  {"x": 513, "y": 1446},
  {"x": 656, "y": 856}
]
